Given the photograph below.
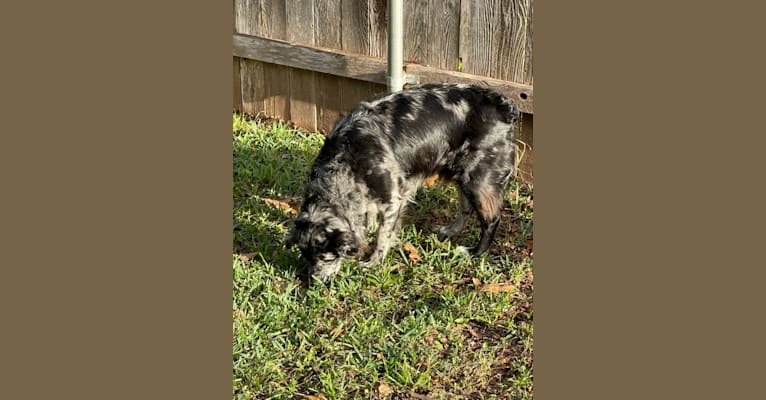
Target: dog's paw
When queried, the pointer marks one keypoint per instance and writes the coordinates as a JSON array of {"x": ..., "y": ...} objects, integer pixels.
[
  {"x": 443, "y": 231},
  {"x": 466, "y": 250},
  {"x": 373, "y": 261}
]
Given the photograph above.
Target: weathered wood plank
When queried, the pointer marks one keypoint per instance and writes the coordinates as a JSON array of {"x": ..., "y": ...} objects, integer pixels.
[
  {"x": 355, "y": 26},
  {"x": 528, "y": 79},
  {"x": 520, "y": 93},
  {"x": 276, "y": 86},
  {"x": 300, "y": 19},
  {"x": 328, "y": 101},
  {"x": 415, "y": 32},
  {"x": 253, "y": 89},
  {"x": 509, "y": 40},
  {"x": 464, "y": 40},
  {"x": 329, "y": 61},
  {"x": 378, "y": 11},
  {"x": 364, "y": 68},
  {"x": 327, "y": 33},
  {"x": 524, "y": 153},
  {"x": 247, "y": 17},
  {"x": 237, "y": 88},
  {"x": 443, "y": 34},
  {"x": 477, "y": 58},
  {"x": 327, "y": 23},
  {"x": 273, "y": 19}
]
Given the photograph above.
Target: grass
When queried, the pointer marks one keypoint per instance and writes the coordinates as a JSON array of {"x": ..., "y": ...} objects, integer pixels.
[{"x": 428, "y": 323}]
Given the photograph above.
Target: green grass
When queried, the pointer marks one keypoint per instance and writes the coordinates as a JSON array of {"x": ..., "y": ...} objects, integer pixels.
[{"x": 412, "y": 328}]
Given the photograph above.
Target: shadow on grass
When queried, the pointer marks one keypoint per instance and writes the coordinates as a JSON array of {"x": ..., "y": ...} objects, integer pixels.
[{"x": 268, "y": 181}]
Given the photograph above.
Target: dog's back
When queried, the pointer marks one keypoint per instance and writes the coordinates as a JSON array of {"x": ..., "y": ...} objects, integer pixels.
[{"x": 430, "y": 129}]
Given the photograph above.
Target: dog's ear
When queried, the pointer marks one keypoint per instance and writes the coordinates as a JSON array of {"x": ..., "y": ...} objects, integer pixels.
[
  {"x": 345, "y": 243},
  {"x": 297, "y": 226}
]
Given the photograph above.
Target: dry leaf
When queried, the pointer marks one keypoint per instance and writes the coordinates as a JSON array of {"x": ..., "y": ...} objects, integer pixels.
[
  {"x": 476, "y": 281},
  {"x": 335, "y": 332},
  {"x": 320, "y": 396},
  {"x": 430, "y": 181},
  {"x": 384, "y": 389},
  {"x": 496, "y": 288},
  {"x": 413, "y": 254},
  {"x": 247, "y": 256},
  {"x": 529, "y": 244},
  {"x": 280, "y": 204}
]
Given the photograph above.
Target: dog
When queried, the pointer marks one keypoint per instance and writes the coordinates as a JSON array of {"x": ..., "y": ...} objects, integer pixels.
[{"x": 376, "y": 157}]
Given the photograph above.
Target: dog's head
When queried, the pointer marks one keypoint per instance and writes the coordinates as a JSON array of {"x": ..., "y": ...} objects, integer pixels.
[{"x": 324, "y": 240}]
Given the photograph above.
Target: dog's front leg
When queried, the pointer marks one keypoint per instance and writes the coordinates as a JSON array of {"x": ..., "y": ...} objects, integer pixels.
[{"x": 387, "y": 234}]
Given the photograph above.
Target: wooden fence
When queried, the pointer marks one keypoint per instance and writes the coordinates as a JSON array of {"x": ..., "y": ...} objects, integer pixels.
[{"x": 309, "y": 61}]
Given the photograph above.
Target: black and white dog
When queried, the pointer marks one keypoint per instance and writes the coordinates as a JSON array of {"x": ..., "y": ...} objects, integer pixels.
[{"x": 375, "y": 158}]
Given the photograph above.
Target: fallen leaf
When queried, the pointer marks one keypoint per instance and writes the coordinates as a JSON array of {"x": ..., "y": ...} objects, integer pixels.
[
  {"x": 430, "y": 181},
  {"x": 529, "y": 244},
  {"x": 384, "y": 389},
  {"x": 335, "y": 332},
  {"x": 413, "y": 254},
  {"x": 320, "y": 396},
  {"x": 496, "y": 288},
  {"x": 247, "y": 256},
  {"x": 476, "y": 281},
  {"x": 279, "y": 204}
]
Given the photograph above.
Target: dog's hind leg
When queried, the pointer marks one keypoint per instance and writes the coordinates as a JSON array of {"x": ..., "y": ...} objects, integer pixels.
[
  {"x": 464, "y": 212},
  {"x": 487, "y": 202}
]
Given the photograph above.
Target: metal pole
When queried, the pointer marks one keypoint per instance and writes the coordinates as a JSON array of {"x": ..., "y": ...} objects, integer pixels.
[{"x": 395, "y": 77}]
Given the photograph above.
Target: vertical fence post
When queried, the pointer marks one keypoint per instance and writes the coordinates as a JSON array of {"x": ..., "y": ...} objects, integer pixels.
[{"x": 395, "y": 77}]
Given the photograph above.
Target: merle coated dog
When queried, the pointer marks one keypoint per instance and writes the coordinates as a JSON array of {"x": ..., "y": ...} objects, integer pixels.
[{"x": 373, "y": 161}]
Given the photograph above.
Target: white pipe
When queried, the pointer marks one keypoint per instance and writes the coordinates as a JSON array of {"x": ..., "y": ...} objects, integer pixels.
[{"x": 395, "y": 77}]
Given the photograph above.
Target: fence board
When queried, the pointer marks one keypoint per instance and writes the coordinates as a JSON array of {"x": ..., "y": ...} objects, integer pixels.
[
  {"x": 300, "y": 19},
  {"x": 327, "y": 33},
  {"x": 327, "y": 23},
  {"x": 237, "y": 80},
  {"x": 378, "y": 11},
  {"x": 253, "y": 87},
  {"x": 328, "y": 61},
  {"x": 524, "y": 151},
  {"x": 528, "y": 56},
  {"x": 328, "y": 101},
  {"x": 443, "y": 33},
  {"x": 247, "y": 17},
  {"x": 509, "y": 39},
  {"x": 355, "y": 26},
  {"x": 415, "y": 32},
  {"x": 476, "y": 59}
]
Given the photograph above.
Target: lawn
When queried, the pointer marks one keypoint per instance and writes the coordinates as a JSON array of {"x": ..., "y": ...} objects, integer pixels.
[{"x": 429, "y": 323}]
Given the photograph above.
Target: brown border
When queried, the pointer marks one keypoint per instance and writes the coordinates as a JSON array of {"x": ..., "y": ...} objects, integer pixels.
[
  {"x": 116, "y": 206},
  {"x": 646, "y": 186},
  {"x": 116, "y": 172}
]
